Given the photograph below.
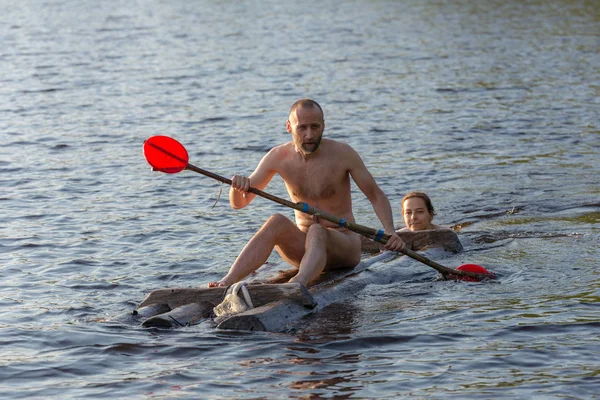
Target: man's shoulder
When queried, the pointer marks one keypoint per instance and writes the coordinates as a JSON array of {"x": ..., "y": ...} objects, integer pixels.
[
  {"x": 285, "y": 145},
  {"x": 333, "y": 142},
  {"x": 332, "y": 145},
  {"x": 281, "y": 150}
]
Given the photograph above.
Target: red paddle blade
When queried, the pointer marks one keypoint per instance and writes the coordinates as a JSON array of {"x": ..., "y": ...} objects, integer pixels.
[
  {"x": 165, "y": 154},
  {"x": 471, "y": 268}
]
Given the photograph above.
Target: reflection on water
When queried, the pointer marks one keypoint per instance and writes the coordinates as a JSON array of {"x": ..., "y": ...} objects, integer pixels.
[{"x": 489, "y": 107}]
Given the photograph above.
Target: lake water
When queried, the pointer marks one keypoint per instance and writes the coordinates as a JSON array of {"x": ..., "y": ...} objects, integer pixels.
[{"x": 490, "y": 107}]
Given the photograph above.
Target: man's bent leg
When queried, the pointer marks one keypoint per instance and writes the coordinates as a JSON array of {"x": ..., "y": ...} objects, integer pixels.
[
  {"x": 327, "y": 248},
  {"x": 277, "y": 231}
]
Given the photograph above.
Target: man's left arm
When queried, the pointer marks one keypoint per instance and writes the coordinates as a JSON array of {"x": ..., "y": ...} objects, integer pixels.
[{"x": 381, "y": 204}]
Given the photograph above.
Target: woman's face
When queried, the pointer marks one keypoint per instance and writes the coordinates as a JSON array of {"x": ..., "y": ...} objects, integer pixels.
[{"x": 416, "y": 215}]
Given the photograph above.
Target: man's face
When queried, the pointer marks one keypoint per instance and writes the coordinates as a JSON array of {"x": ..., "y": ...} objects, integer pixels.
[{"x": 306, "y": 126}]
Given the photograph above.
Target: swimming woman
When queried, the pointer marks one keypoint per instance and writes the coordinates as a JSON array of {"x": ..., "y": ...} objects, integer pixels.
[
  {"x": 420, "y": 233},
  {"x": 418, "y": 212}
]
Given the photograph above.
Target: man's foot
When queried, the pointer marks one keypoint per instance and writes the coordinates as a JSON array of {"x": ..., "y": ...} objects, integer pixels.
[
  {"x": 295, "y": 279},
  {"x": 220, "y": 283}
]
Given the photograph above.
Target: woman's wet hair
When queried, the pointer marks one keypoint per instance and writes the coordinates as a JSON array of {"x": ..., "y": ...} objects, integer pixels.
[{"x": 420, "y": 195}]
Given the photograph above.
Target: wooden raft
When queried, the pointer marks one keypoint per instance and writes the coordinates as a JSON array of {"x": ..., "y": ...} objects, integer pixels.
[
  {"x": 278, "y": 305},
  {"x": 188, "y": 306},
  {"x": 280, "y": 315}
]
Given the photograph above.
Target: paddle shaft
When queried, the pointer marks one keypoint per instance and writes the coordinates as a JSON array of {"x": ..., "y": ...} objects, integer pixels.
[{"x": 370, "y": 233}]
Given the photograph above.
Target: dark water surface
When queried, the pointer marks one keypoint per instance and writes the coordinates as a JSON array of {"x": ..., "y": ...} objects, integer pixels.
[{"x": 490, "y": 107}]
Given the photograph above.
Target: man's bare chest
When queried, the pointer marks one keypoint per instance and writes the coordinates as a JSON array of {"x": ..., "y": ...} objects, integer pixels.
[{"x": 315, "y": 181}]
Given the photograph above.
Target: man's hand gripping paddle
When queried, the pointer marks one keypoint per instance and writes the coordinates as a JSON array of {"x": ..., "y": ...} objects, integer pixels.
[{"x": 167, "y": 155}]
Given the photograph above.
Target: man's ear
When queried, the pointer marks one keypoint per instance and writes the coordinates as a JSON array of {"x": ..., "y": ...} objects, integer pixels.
[{"x": 288, "y": 126}]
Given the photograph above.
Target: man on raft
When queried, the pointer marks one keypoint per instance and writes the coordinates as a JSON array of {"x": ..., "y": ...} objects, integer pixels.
[{"x": 316, "y": 171}]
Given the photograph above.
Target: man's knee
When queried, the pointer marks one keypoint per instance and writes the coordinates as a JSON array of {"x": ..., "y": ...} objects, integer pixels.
[
  {"x": 277, "y": 224},
  {"x": 316, "y": 231},
  {"x": 278, "y": 220}
]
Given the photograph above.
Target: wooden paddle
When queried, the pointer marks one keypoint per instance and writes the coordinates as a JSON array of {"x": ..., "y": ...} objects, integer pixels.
[{"x": 167, "y": 155}]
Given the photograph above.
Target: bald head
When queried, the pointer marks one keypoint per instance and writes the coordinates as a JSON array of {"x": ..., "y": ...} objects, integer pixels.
[{"x": 306, "y": 103}]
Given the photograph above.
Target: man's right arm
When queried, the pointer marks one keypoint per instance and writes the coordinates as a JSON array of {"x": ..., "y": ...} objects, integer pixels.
[{"x": 239, "y": 197}]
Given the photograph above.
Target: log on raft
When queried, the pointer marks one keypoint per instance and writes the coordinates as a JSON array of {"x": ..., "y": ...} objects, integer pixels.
[
  {"x": 278, "y": 305},
  {"x": 185, "y": 315},
  {"x": 260, "y": 293},
  {"x": 181, "y": 307},
  {"x": 420, "y": 241}
]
